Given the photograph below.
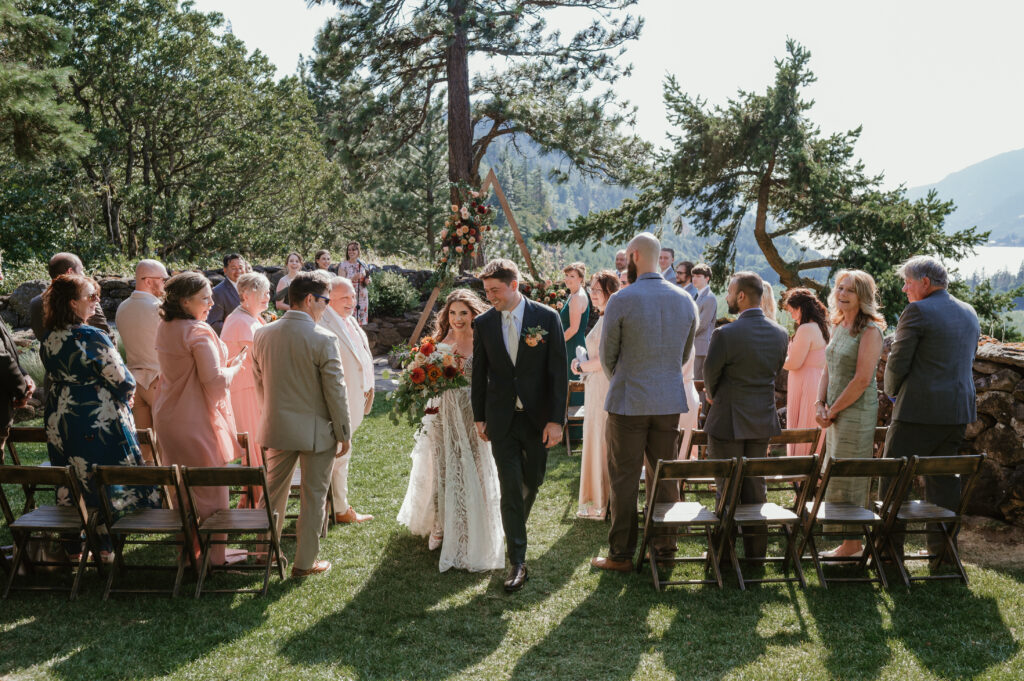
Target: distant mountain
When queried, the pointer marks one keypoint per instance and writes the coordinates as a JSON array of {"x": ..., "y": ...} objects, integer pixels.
[{"x": 989, "y": 194}]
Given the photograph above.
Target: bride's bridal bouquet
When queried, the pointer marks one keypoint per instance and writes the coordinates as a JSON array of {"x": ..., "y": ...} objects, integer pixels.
[{"x": 428, "y": 370}]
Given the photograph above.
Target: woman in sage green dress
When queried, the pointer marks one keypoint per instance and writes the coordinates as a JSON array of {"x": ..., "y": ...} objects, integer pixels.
[{"x": 847, "y": 406}]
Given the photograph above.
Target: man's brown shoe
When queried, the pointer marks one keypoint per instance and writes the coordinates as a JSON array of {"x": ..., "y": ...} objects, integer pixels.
[
  {"x": 318, "y": 567},
  {"x": 350, "y": 516},
  {"x": 602, "y": 563}
]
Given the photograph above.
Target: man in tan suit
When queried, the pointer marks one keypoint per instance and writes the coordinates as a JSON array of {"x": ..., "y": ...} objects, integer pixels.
[
  {"x": 297, "y": 367},
  {"x": 137, "y": 319},
  {"x": 357, "y": 361}
]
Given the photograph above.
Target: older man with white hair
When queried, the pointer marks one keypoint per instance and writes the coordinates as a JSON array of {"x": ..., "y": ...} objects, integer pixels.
[
  {"x": 137, "y": 318},
  {"x": 929, "y": 374},
  {"x": 357, "y": 362},
  {"x": 647, "y": 336}
]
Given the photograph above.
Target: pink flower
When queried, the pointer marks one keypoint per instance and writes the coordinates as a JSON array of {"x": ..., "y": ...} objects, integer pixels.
[{"x": 458, "y": 249}]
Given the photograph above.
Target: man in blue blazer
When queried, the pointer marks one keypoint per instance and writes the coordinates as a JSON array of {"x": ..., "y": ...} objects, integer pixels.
[
  {"x": 225, "y": 294},
  {"x": 929, "y": 373},
  {"x": 647, "y": 335},
  {"x": 519, "y": 386}
]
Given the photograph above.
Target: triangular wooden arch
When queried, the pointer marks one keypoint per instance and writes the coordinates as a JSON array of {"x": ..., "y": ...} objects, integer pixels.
[{"x": 491, "y": 181}]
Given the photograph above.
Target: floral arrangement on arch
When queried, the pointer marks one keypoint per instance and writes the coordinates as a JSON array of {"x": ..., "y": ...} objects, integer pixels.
[
  {"x": 552, "y": 295},
  {"x": 428, "y": 370},
  {"x": 465, "y": 225}
]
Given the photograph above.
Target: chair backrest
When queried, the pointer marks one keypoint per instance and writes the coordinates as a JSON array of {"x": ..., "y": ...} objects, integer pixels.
[
  {"x": 695, "y": 438},
  {"x": 147, "y": 438},
  {"x": 688, "y": 469},
  {"x": 228, "y": 476},
  {"x": 243, "y": 442},
  {"x": 796, "y": 436},
  {"x": 878, "y": 444},
  {"x": 577, "y": 386},
  {"x": 36, "y": 476},
  {"x": 799, "y": 469},
  {"x": 966, "y": 466},
  {"x": 23, "y": 434},
  {"x": 862, "y": 468}
]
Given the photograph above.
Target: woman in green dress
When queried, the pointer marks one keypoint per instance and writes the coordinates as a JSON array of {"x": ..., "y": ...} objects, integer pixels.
[
  {"x": 847, "y": 406},
  {"x": 575, "y": 315}
]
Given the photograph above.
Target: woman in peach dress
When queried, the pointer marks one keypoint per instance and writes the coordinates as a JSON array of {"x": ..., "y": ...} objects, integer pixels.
[
  {"x": 805, "y": 361},
  {"x": 594, "y": 485},
  {"x": 237, "y": 333},
  {"x": 192, "y": 416}
]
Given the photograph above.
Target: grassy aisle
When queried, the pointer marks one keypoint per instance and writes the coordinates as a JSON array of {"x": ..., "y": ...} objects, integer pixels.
[{"x": 384, "y": 612}]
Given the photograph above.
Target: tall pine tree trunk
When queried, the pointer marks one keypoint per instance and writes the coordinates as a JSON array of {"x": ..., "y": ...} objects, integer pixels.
[{"x": 460, "y": 129}]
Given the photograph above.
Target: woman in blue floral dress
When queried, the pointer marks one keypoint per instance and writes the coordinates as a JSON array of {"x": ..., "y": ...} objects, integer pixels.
[{"x": 88, "y": 418}]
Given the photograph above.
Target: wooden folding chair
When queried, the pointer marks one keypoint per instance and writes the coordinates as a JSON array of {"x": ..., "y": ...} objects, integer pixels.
[
  {"x": 123, "y": 527},
  {"x": 234, "y": 522},
  {"x": 821, "y": 512},
  {"x": 687, "y": 518},
  {"x": 797, "y": 469},
  {"x": 904, "y": 511},
  {"x": 147, "y": 438},
  {"x": 47, "y": 523},
  {"x": 878, "y": 443},
  {"x": 792, "y": 436},
  {"x": 573, "y": 413},
  {"x": 706, "y": 485},
  {"x": 26, "y": 435}
]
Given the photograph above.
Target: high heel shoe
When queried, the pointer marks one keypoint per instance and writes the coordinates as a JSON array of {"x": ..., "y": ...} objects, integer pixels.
[{"x": 435, "y": 541}]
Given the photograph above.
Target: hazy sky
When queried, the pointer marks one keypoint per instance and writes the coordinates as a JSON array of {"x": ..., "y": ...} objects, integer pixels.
[{"x": 937, "y": 85}]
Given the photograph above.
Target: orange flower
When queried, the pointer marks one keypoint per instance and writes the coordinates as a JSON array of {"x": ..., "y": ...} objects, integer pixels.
[
  {"x": 417, "y": 375},
  {"x": 531, "y": 341},
  {"x": 433, "y": 372},
  {"x": 427, "y": 347}
]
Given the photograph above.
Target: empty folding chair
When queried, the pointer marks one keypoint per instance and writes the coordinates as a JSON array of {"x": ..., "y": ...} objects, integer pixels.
[
  {"x": 234, "y": 522},
  {"x": 46, "y": 523},
  {"x": 868, "y": 522},
  {"x": 688, "y": 518},
  {"x": 792, "y": 436},
  {"x": 147, "y": 438},
  {"x": 785, "y": 521},
  {"x": 573, "y": 413},
  {"x": 145, "y": 526},
  {"x": 26, "y": 435},
  {"x": 903, "y": 511}
]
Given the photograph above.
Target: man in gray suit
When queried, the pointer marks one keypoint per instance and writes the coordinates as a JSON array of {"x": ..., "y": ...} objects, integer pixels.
[
  {"x": 929, "y": 375},
  {"x": 744, "y": 357},
  {"x": 298, "y": 370},
  {"x": 647, "y": 335},
  {"x": 707, "y": 312},
  {"x": 225, "y": 294}
]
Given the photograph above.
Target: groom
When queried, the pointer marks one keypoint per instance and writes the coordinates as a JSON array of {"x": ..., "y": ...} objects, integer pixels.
[{"x": 519, "y": 390}]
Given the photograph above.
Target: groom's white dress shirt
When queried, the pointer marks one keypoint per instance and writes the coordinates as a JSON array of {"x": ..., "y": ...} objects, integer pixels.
[{"x": 517, "y": 319}]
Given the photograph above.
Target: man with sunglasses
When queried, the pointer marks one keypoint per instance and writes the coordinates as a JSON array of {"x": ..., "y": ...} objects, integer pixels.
[
  {"x": 137, "y": 318},
  {"x": 298, "y": 370}
]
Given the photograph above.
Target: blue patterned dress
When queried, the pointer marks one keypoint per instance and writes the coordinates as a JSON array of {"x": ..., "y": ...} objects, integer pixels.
[{"x": 88, "y": 421}]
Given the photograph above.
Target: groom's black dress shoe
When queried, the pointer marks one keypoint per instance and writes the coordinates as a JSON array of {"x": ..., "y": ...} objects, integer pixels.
[{"x": 517, "y": 576}]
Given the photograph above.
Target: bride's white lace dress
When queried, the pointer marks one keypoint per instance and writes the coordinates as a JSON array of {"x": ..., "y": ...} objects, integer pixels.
[{"x": 453, "y": 487}]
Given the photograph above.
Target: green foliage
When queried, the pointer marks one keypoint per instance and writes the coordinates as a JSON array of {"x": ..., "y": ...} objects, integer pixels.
[
  {"x": 991, "y": 307},
  {"x": 34, "y": 125},
  {"x": 391, "y": 294},
  {"x": 762, "y": 151}
]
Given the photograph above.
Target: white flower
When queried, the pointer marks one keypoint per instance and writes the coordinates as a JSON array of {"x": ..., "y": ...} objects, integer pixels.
[
  {"x": 80, "y": 467},
  {"x": 53, "y": 432},
  {"x": 464, "y": 213},
  {"x": 64, "y": 401},
  {"x": 106, "y": 412},
  {"x": 55, "y": 340},
  {"x": 112, "y": 367}
]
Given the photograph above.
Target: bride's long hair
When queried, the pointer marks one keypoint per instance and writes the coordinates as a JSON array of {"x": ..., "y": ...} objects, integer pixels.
[{"x": 459, "y": 295}]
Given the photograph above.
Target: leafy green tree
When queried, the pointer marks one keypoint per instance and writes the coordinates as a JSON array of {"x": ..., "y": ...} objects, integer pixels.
[
  {"x": 197, "y": 146},
  {"x": 380, "y": 65},
  {"x": 763, "y": 152},
  {"x": 34, "y": 125}
]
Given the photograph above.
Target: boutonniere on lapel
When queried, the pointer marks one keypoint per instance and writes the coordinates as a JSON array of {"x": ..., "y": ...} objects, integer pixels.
[{"x": 534, "y": 336}]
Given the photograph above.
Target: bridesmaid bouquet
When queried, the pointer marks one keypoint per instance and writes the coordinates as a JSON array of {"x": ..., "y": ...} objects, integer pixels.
[{"x": 428, "y": 370}]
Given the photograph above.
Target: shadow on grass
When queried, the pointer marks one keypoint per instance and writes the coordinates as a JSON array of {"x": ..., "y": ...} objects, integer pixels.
[{"x": 137, "y": 637}]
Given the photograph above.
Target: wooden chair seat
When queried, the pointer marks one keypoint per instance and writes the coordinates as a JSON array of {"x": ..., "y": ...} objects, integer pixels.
[
  {"x": 844, "y": 513},
  {"x": 236, "y": 520},
  {"x": 917, "y": 511},
  {"x": 54, "y": 518},
  {"x": 763, "y": 514},
  {"x": 150, "y": 521},
  {"x": 573, "y": 414},
  {"x": 576, "y": 413},
  {"x": 683, "y": 513}
]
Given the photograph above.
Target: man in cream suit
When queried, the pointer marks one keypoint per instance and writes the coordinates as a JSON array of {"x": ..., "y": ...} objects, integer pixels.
[
  {"x": 357, "y": 362},
  {"x": 137, "y": 319},
  {"x": 297, "y": 367}
]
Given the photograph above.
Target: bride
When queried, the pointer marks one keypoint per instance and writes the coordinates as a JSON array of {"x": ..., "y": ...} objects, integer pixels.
[{"x": 453, "y": 488}]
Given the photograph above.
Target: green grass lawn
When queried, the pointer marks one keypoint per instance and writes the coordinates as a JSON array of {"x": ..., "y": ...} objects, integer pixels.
[{"x": 384, "y": 612}]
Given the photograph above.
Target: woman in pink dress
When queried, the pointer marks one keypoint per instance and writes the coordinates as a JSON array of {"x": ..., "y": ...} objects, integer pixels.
[
  {"x": 237, "y": 333},
  {"x": 805, "y": 361},
  {"x": 354, "y": 269},
  {"x": 192, "y": 415},
  {"x": 594, "y": 485}
]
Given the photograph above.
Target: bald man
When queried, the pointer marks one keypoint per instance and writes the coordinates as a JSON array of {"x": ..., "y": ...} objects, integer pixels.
[
  {"x": 137, "y": 319},
  {"x": 63, "y": 263}
]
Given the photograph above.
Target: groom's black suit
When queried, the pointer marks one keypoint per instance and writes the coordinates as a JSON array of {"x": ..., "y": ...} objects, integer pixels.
[{"x": 539, "y": 380}]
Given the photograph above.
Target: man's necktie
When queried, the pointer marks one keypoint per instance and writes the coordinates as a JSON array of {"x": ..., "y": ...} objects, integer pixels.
[{"x": 511, "y": 335}]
